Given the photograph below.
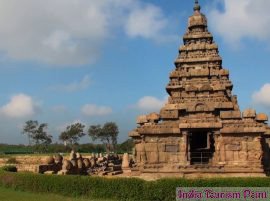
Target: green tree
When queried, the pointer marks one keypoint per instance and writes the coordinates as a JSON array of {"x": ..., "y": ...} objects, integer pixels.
[
  {"x": 107, "y": 134},
  {"x": 72, "y": 134},
  {"x": 29, "y": 129},
  {"x": 41, "y": 136},
  {"x": 37, "y": 133},
  {"x": 126, "y": 146}
]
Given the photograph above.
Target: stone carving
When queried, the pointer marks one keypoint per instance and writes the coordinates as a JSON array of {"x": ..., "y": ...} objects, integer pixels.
[
  {"x": 49, "y": 160},
  {"x": 76, "y": 164},
  {"x": 202, "y": 115}
]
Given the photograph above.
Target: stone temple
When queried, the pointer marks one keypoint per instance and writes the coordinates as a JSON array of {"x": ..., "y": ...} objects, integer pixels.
[{"x": 201, "y": 130}]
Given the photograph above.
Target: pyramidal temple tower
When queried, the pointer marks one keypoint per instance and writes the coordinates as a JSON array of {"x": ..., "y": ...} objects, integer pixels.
[{"x": 201, "y": 129}]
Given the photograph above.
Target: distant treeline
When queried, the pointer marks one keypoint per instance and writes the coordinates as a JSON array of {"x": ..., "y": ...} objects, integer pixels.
[{"x": 61, "y": 148}]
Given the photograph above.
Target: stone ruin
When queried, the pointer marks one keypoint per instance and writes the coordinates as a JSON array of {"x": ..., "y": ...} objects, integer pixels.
[
  {"x": 201, "y": 130},
  {"x": 97, "y": 164}
]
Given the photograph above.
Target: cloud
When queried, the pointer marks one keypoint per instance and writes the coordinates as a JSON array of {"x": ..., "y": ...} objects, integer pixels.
[
  {"x": 74, "y": 86},
  {"x": 242, "y": 19},
  {"x": 20, "y": 105},
  {"x": 72, "y": 32},
  {"x": 146, "y": 22},
  {"x": 262, "y": 97},
  {"x": 150, "y": 103},
  {"x": 95, "y": 110}
]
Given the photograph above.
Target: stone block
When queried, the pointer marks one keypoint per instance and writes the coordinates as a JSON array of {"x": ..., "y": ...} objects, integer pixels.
[
  {"x": 153, "y": 117},
  {"x": 173, "y": 158},
  {"x": 206, "y": 87},
  {"x": 152, "y": 147},
  {"x": 236, "y": 155},
  {"x": 254, "y": 146},
  {"x": 172, "y": 148},
  {"x": 224, "y": 105},
  {"x": 191, "y": 88},
  {"x": 48, "y": 160},
  {"x": 152, "y": 157},
  {"x": 229, "y": 156},
  {"x": 230, "y": 115},
  {"x": 199, "y": 72},
  {"x": 254, "y": 155},
  {"x": 161, "y": 147},
  {"x": 162, "y": 157},
  {"x": 139, "y": 147},
  {"x": 249, "y": 113},
  {"x": 133, "y": 134},
  {"x": 233, "y": 147},
  {"x": 142, "y": 119},
  {"x": 261, "y": 117},
  {"x": 224, "y": 72},
  {"x": 169, "y": 114}
]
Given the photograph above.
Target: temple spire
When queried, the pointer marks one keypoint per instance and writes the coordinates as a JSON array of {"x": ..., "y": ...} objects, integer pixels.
[{"x": 197, "y": 6}]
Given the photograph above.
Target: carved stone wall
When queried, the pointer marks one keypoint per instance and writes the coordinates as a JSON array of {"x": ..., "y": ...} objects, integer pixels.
[
  {"x": 201, "y": 100},
  {"x": 233, "y": 150}
]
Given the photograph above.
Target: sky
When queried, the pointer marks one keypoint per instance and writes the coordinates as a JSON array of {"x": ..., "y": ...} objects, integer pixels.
[{"x": 95, "y": 61}]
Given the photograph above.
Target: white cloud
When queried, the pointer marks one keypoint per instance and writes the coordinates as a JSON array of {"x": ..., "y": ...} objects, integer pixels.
[
  {"x": 262, "y": 97},
  {"x": 146, "y": 22},
  {"x": 95, "y": 110},
  {"x": 74, "y": 86},
  {"x": 242, "y": 19},
  {"x": 71, "y": 32},
  {"x": 20, "y": 105},
  {"x": 150, "y": 103}
]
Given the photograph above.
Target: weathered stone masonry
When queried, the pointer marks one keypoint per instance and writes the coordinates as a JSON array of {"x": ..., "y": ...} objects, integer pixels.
[{"x": 201, "y": 128}]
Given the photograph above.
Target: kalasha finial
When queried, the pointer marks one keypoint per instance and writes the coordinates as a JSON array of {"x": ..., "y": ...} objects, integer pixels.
[{"x": 197, "y": 7}]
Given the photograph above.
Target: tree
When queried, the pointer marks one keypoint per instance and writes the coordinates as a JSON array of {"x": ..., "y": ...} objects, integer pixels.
[
  {"x": 72, "y": 134},
  {"x": 38, "y": 133},
  {"x": 107, "y": 134},
  {"x": 126, "y": 146},
  {"x": 41, "y": 136},
  {"x": 29, "y": 129}
]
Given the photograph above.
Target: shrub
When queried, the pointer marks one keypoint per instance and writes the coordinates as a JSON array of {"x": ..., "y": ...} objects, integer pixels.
[
  {"x": 123, "y": 189},
  {"x": 9, "y": 168}
]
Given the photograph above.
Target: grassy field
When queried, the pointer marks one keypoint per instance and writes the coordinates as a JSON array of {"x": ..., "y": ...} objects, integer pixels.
[{"x": 12, "y": 195}]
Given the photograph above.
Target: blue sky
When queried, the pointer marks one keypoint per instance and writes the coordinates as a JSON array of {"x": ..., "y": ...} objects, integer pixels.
[{"x": 94, "y": 61}]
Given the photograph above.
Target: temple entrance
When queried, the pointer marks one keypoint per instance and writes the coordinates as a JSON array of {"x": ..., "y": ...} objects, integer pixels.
[{"x": 201, "y": 147}]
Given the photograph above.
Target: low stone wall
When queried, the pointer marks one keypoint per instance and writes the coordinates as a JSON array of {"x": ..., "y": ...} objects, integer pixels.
[
  {"x": 28, "y": 163},
  {"x": 24, "y": 163}
]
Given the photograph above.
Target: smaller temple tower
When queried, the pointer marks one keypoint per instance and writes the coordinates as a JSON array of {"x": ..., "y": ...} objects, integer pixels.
[{"x": 201, "y": 129}]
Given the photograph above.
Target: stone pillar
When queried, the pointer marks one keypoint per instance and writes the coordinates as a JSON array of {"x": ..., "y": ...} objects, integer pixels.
[
  {"x": 186, "y": 147},
  {"x": 222, "y": 152},
  {"x": 208, "y": 140},
  {"x": 143, "y": 153},
  {"x": 125, "y": 163},
  {"x": 216, "y": 158}
]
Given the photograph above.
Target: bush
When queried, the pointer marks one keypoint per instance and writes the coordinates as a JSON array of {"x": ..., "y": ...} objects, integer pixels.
[
  {"x": 9, "y": 168},
  {"x": 125, "y": 189}
]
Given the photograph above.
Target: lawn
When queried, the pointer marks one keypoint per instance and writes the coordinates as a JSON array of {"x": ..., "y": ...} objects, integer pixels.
[{"x": 12, "y": 195}]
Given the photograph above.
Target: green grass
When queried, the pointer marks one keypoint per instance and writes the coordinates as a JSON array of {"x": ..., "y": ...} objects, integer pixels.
[{"x": 12, "y": 195}]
